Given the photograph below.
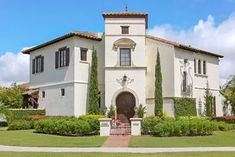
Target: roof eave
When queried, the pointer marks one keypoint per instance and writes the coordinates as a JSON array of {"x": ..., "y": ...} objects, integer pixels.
[
  {"x": 183, "y": 46},
  {"x": 66, "y": 36}
]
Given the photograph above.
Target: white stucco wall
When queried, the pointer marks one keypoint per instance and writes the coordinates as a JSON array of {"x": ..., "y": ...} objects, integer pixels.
[
  {"x": 137, "y": 70},
  {"x": 73, "y": 78},
  {"x": 54, "y": 103},
  {"x": 199, "y": 81}
]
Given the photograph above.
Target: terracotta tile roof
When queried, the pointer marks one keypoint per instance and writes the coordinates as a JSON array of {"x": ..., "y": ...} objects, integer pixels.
[
  {"x": 182, "y": 46},
  {"x": 127, "y": 14},
  {"x": 124, "y": 14},
  {"x": 86, "y": 35}
]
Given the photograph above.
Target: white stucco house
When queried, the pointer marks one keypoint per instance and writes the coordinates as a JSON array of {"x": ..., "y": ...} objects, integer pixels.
[{"x": 59, "y": 69}]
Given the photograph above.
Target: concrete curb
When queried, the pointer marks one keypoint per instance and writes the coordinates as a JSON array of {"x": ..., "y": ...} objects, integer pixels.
[{"x": 116, "y": 149}]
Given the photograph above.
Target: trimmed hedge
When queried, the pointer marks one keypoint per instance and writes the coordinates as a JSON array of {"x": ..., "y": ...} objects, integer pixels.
[
  {"x": 93, "y": 121},
  {"x": 222, "y": 126},
  {"x": 185, "y": 107},
  {"x": 69, "y": 126},
  {"x": 19, "y": 114},
  {"x": 20, "y": 125},
  {"x": 148, "y": 124},
  {"x": 66, "y": 127},
  {"x": 184, "y": 127}
]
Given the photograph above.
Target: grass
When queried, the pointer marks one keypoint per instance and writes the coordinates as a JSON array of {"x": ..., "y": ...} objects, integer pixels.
[
  {"x": 210, "y": 154},
  {"x": 28, "y": 138},
  {"x": 218, "y": 139}
]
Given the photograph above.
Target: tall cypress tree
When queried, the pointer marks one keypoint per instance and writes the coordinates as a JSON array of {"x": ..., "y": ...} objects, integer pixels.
[
  {"x": 93, "y": 88},
  {"x": 158, "y": 87}
]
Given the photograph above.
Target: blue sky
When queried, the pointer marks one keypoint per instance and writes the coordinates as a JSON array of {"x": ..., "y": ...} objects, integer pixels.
[
  {"x": 206, "y": 24},
  {"x": 28, "y": 22}
]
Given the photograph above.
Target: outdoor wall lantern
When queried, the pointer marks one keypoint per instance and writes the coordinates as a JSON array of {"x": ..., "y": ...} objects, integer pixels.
[{"x": 124, "y": 81}]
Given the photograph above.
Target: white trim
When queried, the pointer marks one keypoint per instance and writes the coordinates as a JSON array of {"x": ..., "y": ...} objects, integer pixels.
[{"x": 58, "y": 83}]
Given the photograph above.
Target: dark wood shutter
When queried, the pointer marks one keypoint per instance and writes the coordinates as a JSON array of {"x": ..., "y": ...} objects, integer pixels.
[
  {"x": 67, "y": 57},
  {"x": 33, "y": 66},
  {"x": 42, "y": 63},
  {"x": 56, "y": 59}
]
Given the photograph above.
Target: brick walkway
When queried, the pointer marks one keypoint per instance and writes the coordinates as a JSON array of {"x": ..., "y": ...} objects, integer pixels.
[{"x": 117, "y": 141}]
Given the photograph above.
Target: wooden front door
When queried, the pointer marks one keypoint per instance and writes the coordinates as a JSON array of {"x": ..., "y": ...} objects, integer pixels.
[{"x": 125, "y": 103}]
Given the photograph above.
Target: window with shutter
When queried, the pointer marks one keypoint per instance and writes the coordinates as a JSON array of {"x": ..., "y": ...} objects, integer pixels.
[
  {"x": 38, "y": 64},
  {"x": 204, "y": 67},
  {"x": 62, "y": 57},
  {"x": 33, "y": 68},
  {"x": 199, "y": 66},
  {"x": 67, "y": 57},
  {"x": 56, "y": 59}
]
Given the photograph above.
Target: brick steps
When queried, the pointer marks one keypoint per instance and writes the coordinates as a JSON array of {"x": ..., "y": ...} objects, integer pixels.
[{"x": 122, "y": 129}]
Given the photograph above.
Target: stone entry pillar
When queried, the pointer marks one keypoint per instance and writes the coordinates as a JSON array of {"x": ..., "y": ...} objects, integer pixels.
[
  {"x": 136, "y": 126},
  {"x": 105, "y": 126}
]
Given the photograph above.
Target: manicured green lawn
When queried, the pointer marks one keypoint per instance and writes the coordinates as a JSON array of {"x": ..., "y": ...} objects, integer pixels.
[
  {"x": 218, "y": 139},
  {"x": 28, "y": 138},
  {"x": 214, "y": 154}
]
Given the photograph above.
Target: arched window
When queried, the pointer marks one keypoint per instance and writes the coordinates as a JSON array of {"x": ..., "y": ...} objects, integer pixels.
[
  {"x": 184, "y": 81},
  {"x": 199, "y": 67},
  {"x": 204, "y": 67}
]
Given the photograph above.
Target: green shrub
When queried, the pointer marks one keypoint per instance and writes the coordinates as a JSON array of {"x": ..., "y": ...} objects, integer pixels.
[
  {"x": 148, "y": 124},
  {"x": 20, "y": 114},
  {"x": 64, "y": 126},
  {"x": 141, "y": 111},
  {"x": 111, "y": 111},
  {"x": 184, "y": 127},
  {"x": 93, "y": 121},
  {"x": 3, "y": 124},
  {"x": 185, "y": 107},
  {"x": 222, "y": 126},
  {"x": 20, "y": 125}
]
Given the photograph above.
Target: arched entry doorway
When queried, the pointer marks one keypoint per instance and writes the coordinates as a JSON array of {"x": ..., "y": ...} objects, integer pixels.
[{"x": 125, "y": 103}]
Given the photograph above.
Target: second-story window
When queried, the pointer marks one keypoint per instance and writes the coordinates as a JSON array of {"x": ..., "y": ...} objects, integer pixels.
[
  {"x": 125, "y": 56},
  {"x": 125, "y": 29},
  {"x": 62, "y": 57},
  {"x": 83, "y": 54},
  {"x": 38, "y": 64},
  {"x": 199, "y": 67},
  {"x": 204, "y": 67},
  {"x": 195, "y": 66}
]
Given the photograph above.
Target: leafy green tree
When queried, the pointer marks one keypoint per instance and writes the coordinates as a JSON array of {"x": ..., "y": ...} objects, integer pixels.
[
  {"x": 208, "y": 101},
  {"x": 12, "y": 96},
  {"x": 158, "y": 88},
  {"x": 93, "y": 88},
  {"x": 229, "y": 92}
]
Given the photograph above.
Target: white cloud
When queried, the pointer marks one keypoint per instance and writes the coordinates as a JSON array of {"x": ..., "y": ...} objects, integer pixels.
[
  {"x": 13, "y": 68},
  {"x": 206, "y": 35}
]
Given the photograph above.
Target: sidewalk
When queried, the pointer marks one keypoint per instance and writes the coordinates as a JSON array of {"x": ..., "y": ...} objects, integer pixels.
[{"x": 117, "y": 149}]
